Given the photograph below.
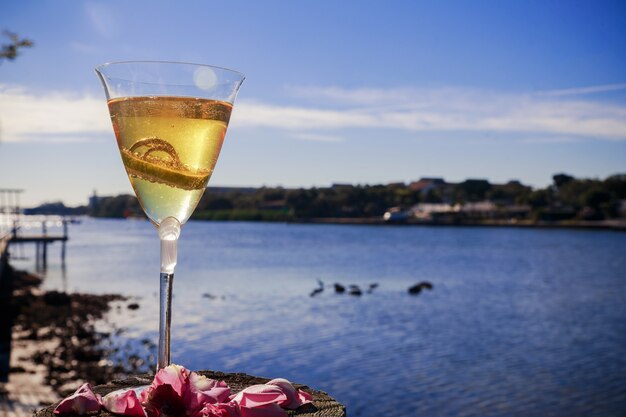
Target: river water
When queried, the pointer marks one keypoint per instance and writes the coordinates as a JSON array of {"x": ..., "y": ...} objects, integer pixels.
[{"x": 521, "y": 322}]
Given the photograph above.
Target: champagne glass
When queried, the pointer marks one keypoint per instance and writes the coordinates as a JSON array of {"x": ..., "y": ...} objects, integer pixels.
[{"x": 170, "y": 120}]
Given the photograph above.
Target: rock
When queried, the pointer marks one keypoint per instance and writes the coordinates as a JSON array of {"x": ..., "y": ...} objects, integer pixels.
[
  {"x": 316, "y": 291},
  {"x": 339, "y": 289},
  {"x": 426, "y": 285},
  {"x": 355, "y": 290},
  {"x": 417, "y": 288},
  {"x": 372, "y": 287},
  {"x": 56, "y": 298}
]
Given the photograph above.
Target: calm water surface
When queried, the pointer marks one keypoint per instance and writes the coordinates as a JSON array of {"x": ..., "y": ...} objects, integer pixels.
[{"x": 520, "y": 322}]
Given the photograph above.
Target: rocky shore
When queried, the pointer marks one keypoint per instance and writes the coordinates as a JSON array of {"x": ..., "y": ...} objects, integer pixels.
[{"x": 58, "y": 341}]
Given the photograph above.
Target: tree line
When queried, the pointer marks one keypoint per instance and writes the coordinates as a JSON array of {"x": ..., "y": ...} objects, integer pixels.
[{"x": 566, "y": 198}]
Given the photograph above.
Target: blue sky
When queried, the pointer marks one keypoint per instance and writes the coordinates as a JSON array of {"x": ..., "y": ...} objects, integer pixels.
[{"x": 336, "y": 91}]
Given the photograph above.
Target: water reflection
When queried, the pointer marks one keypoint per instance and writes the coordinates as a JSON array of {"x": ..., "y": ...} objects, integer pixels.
[{"x": 520, "y": 322}]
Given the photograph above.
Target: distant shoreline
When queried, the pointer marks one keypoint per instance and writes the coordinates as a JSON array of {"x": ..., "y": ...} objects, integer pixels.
[
  {"x": 616, "y": 225},
  {"x": 612, "y": 224}
]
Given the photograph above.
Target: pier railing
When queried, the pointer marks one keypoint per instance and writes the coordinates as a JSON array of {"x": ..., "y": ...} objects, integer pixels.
[{"x": 40, "y": 230}]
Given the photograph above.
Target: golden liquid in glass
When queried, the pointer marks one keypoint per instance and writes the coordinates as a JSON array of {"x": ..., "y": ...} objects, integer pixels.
[{"x": 169, "y": 146}]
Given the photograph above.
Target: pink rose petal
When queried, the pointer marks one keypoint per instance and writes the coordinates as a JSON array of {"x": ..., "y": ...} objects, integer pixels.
[
  {"x": 143, "y": 395},
  {"x": 177, "y": 390},
  {"x": 123, "y": 402},
  {"x": 213, "y": 395},
  {"x": 203, "y": 390},
  {"x": 174, "y": 375},
  {"x": 169, "y": 393},
  {"x": 201, "y": 382},
  {"x": 259, "y": 395},
  {"x": 81, "y": 402},
  {"x": 230, "y": 409},
  {"x": 304, "y": 397},
  {"x": 267, "y": 410},
  {"x": 295, "y": 398},
  {"x": 164, "y": 400}
]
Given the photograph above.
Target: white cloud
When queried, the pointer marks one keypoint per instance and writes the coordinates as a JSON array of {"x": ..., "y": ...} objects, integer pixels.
[
  {"x": 257, "y": 114},
  {"x": 102, "y": 19},
  {"x": 459, "y": 109},
  {"x": 27, "y": 116},
  {"x": 317, "y": 137},
  {"x": 585, "y": 90}
]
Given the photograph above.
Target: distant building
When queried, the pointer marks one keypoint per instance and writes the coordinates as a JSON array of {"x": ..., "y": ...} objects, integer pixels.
[
  {"x": 482, "y": 207},
  {"x": 341, "y": 185},
  {"x": 395, "y": 214},
  {"x": 94, "y": 200},
  {"x": 480, "y": 210},
  {"x": 516, "y": 211},
  {"x": 429, "y": 211},
  {"x": 424, "y": 185}
]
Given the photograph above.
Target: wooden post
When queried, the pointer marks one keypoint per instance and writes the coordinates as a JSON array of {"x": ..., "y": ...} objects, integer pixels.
[
  {"x": 63, "y": 252},
  {"x": 44, "y": 258},
  {"x": 63, "y": 242},
  {"x": 44, "y": 246}
]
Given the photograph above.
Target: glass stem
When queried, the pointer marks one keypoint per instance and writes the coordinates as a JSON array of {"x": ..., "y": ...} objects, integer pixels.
[
  {"x": 165, "y": 320},
  {"x": 169, "y": 230}
]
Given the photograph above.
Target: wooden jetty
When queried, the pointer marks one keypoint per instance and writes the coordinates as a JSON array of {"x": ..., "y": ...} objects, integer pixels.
[
  {"x": 11, "y": 218},
  {"x": 41, "y": 241}
]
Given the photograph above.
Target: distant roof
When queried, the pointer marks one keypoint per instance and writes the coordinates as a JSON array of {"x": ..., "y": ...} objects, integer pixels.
[
  {"x": 480, "y": 180},
  {"x": 425, "y": 183}
]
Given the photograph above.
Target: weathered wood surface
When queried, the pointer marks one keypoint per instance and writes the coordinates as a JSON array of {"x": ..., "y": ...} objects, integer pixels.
[{"x": 322, "y": 406}]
